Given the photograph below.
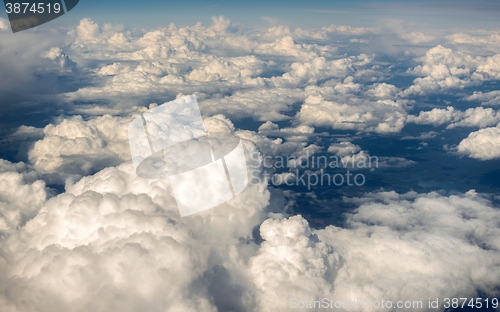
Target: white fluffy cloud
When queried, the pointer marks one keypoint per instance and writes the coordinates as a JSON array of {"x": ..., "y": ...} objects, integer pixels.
[
  {"x": 299, "y": 264},
  {"x": 483, "y": 144},
  {"x": 121, "y": 234},
  {"x": 345, "y": 104},
  {"x": 343, "y": 148},
  {"x": 473, "y": 117},
  {"x": 264, "y": 84},
  {"x": 286, "y": 46},
  {"x": 486, "y": 98},
  {"x": 396, "y": 247},
  {"x": 60, "y": 58},
  {"x": 21, "y": 195},
  {"x": 381, "y": 116},
  {"x": 75, "y": 147},
  {"x": 444, "y": 68},
  {"x": 412, "y": 247},
  {"x": 114, "y": 241}
]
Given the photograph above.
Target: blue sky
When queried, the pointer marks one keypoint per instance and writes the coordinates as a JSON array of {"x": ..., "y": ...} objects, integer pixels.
[{"x": 428, "y": 14}]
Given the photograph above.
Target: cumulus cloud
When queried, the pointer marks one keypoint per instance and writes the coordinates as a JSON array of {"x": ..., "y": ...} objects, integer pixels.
[
  {"x": 486, "y": 98},
  {"x": 473, "y": 117},
  {"x": 343, "y": 148},
  {"x": 483, "y": 144},
  {"x": 301, "y": 266},
  {"x": 75, "y": 147},
  {"x": 286, "y": 46},
  {"x": 21, "y": 195},
  {"x": 300, "y": 133},
  {"x": 381, "y": 116},
  {"x": 444, "y": 68},
  {"x": 217, "y": 69},
  {"x": 260, "y": 104},
  {"x": 395, "y": 248},
  {"x": 123, "y": 235},
  {"x": 89, "y": 32},
  {"x": 319, "y": 68},
  {"x": 114, "y": 241},
  {"x": 208, "y": 61},
  {"x": 401, "y": 245},
  {"x": 60, "y": 58},
  {"x": 280, "y": 71},
  {"x": 346, "y": 104}
]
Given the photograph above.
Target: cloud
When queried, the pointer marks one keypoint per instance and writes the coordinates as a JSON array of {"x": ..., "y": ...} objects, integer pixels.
[
  {"x": 486, "y": 98},
  {"x": 122, "y": 235},
  {"x": 22, "y": 60},
  {"x": 295, "y": 144},
  {"x": 402, "y": 245},
  {"x": 477, "y": 41},
  {"x": 423, "y": 136},
  {"x": 89, "y": 32},
  {"x": 56, "y": 54},
  {"x": 444, "y": 68},
  {"x": 483, "y": 144},
  {"x": 264, "y": 84},
  {"x": 286, "y": 46},
  {"x": 354, "y": 158},
  {"x": 478, "y": 38},
  {"x": 319, "y": 68},
  {"x": 75, "y": 147},
  {"x": 396, "y": 247},
  {"x": 381, "y": 116},
  {"x": 300, "y": 133},
  {"x": 298, "y": 263},
  {"x": 349, "y": 30},
  {"x": 239, "y": 67},
  {"x": 348, "y": 105},
  {"x": 21, "y": 195},
  {"x": 114, "y": 241},
  {"x": 344, "y": 148},
  {"x": 479, "y": 117},
  {"x": 417, "y": 37},
  {"x": 436, "y": 116},
  {"x": 260, "y": 104}
]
